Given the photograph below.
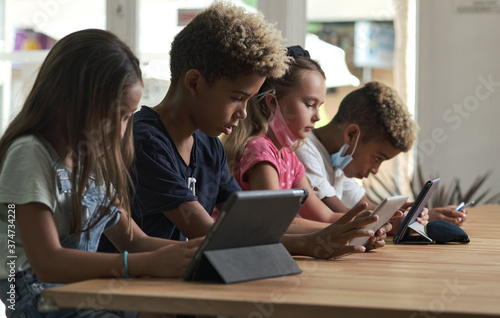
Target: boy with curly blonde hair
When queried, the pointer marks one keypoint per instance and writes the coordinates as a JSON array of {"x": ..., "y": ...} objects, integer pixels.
[
  {"x": 218, "y": 61},
  {"x": 372, "y": 125}
]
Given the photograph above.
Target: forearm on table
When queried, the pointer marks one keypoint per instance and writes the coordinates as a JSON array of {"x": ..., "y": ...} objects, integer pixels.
[
  {"x": 295, "y": 243},
  {"x": 70, "y": 265},
  {"x": 303, "y": 226}
]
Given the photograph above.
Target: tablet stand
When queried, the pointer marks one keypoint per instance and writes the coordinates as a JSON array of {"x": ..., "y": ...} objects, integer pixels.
[
  {"x": 422, "y": 238},
  {"x": 246, "y": 263}
]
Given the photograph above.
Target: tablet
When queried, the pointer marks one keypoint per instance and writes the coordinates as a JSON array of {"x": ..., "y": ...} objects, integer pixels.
[
  {"x": 385, "y": 211},
  {"x": 415, "y": 210},
  {"x": 248, "y": 219}
]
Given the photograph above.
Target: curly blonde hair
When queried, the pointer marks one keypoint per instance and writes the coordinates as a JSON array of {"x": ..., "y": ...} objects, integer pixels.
[
  {"x": 380, "y": 113},
  {"x": 224, "y": 40}
]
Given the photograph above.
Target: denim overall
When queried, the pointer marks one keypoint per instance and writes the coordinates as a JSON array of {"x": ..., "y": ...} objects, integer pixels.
[{"x": 27, "y": 285}]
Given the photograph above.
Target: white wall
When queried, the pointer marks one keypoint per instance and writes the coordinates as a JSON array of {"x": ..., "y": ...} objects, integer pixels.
[
  {"x": 352, "y": 10},
  {"x": 458, "y": 92}
]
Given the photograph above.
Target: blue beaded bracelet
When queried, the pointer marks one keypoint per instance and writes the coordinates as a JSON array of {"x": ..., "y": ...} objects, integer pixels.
[{"x": 126, "y": 264}]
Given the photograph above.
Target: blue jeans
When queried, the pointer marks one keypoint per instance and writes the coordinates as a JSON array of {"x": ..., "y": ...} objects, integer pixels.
[{"x": 24, "y": 298}]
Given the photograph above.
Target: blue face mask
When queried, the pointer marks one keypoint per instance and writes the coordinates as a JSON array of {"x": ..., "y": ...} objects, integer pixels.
[{"x": 339, "y": 159}]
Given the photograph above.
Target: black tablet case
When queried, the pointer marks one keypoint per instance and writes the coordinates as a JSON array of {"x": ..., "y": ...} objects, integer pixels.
[
  {"x": 244, "y": 242},
  {"x": 403, "y": 235}
]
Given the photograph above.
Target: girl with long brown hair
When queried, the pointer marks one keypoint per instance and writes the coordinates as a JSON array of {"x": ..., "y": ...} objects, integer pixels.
[{"x": 64, "y": 179}]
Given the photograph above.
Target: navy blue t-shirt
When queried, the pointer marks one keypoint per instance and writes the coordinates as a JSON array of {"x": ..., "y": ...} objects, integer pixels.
[{"x": 161, "y": 176}]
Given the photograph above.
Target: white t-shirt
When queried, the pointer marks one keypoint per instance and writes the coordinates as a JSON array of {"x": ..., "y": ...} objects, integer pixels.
[{"x": 324, "y": 179}]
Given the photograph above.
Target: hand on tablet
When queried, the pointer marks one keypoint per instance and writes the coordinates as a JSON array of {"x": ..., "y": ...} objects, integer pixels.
[
  {"x": 333, "y": 240},
  {"x": 172, "y": 260},
  {"x": 405, "y": 207},
  {"x": 423, "y": 218},
  {"x": 448, "y": 213},
  {"x": 378, "y": 240}
]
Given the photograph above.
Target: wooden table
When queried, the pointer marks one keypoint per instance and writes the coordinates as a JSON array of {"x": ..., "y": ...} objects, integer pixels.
[{"x": 395, "y": 281}]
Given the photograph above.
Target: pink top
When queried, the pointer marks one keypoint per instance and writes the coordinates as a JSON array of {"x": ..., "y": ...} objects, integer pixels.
[{"x": 290, "y": 169}]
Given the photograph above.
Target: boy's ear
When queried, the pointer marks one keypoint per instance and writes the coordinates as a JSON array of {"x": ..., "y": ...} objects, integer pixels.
[
  {"x": 351, "y": 132},
  {"x": 192, "y": 81}
]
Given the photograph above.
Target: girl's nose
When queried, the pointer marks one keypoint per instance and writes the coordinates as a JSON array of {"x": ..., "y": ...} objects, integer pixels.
[{"x": 316, "y": 116}]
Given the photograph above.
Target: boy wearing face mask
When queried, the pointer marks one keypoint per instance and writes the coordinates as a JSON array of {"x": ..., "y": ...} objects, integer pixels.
[{"x": 372, "y": 125}]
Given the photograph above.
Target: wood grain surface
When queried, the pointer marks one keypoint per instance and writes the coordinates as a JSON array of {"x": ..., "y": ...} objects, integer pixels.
[{"x": 451, "y": 280}]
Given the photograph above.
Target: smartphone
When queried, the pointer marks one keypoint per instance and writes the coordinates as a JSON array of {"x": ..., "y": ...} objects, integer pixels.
[
  {"x": 385, "y": 211},
  {"x": 463, "y": 205}
]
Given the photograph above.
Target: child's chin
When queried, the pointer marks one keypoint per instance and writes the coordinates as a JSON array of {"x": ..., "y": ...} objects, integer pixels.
[{"x": 350, "y": 174}]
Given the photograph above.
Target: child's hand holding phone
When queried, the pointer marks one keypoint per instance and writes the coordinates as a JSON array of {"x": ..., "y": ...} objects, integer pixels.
[
  {"x": 463, "y": 205},
  {"x": 454, "y": 214}
]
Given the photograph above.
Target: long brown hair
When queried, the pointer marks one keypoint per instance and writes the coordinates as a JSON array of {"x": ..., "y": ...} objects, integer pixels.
[
  {"x": 257, "y": 121},
  {"x": 77, "y": 96}
]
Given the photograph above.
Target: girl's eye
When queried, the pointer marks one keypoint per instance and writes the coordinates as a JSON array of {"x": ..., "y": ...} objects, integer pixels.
[{"x": 237, "y": 99}]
